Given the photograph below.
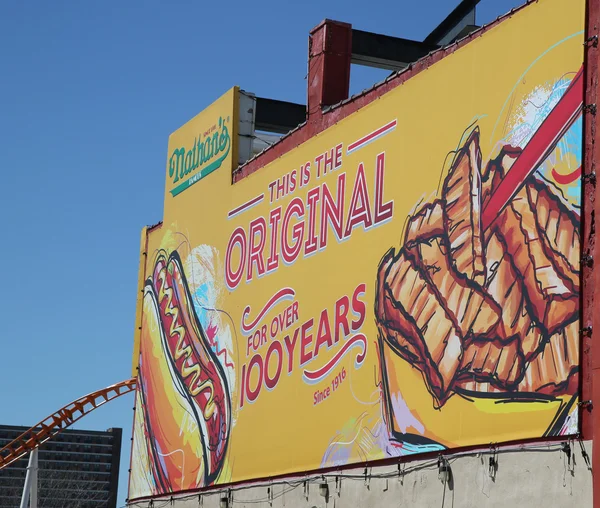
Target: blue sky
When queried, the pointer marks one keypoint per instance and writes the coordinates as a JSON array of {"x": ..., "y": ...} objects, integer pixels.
[{"x": 90, "y": 92}]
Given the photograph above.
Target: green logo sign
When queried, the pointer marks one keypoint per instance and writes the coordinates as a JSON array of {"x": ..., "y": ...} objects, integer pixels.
[{"x": 186, "y": 167}]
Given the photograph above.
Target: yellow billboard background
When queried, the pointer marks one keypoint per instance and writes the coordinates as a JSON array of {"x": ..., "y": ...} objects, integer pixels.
[{"x": 263, "y": 354}]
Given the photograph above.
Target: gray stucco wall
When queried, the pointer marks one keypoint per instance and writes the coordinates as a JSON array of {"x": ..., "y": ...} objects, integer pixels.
[{"x": 537, "y": 476}]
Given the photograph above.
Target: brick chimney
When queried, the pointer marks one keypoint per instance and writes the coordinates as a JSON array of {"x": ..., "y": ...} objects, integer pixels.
[{"x": 329, "y": 57}]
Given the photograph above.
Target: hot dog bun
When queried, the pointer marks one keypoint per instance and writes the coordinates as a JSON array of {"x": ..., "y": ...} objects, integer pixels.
[{"x": 187, "y": 402}]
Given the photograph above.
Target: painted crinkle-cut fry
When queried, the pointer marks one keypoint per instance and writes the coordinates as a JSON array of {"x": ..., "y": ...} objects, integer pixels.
[
  {"x": 506, "y": 286},
  {"x": 417, "y": 327},
  {"x": 465, "y": 302},
  {"x": 461, "y": 195},
  {"x": 427, "y": 222},
  {"x": 558, "y": 224},
  {"x": 486, "y": 301}
]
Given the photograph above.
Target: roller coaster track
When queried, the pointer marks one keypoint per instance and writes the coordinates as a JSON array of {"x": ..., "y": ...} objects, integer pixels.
[{"x": 62, "y": 419}]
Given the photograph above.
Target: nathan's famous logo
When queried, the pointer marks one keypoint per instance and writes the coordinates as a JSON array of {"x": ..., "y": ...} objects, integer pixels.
[{"x": 206, "y": 155}]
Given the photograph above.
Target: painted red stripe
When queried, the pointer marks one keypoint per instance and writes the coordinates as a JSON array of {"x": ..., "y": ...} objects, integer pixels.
[
  {"x": 284, "y": 292},
  {"x": 568, "y": 178},
  {"x": 226, "y": 361},
  {"x": 373, "y": 134},
  {"x": 246, "y": 205},
  {"x": 330, "y": 365},
  {"x": 555, "y": 125}
]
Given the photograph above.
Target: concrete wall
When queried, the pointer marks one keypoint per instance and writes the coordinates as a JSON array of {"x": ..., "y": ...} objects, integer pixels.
[{"x": 537, "y": 476}]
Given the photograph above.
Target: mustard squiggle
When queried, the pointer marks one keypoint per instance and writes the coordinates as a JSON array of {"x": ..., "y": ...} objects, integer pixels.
[{"x": 176, "y": 329}]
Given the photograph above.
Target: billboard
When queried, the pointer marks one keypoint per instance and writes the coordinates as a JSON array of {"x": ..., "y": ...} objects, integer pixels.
[{"x": 405, "y": 282}]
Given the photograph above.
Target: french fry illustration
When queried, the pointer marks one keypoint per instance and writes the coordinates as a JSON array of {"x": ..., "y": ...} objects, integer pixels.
[{"x": 483, "y": 296}]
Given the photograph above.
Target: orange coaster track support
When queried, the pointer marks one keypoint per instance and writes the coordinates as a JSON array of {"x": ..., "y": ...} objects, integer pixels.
[{"x": 59, "y": 421}]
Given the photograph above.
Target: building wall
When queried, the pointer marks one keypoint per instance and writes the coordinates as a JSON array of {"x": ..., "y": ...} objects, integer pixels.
[
  {"x": 215, "y": 405},
  {"x": 77, "y": 468},
  {"x": 539, "y": 474}
]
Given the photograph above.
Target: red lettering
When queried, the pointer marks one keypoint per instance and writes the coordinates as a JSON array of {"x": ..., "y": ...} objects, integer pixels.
[
  {"x": 257, "y": 339},
  {"x": 305, "y": 174},
  {"x": 332, "y": 211},
  {"x": 251, "y": 394},
  {"x": 274, "y": 218},
  {"x": 243, "y": 387},
  {"x": 289, "y": 346},
  {"x": 271, "y": 382},
  {"x": 337, "y": 160},
  {"x": 383, "y": 211},
  {"x": 294, "y": 317},
  {"x": 358, "y": 307},
  {"x": 305, "y": 340},
  {"x": 263, "y": 334},
  {"x": 360, "y": 208},
  {"x": 290, "y": 252},
  {"x": 312, "y": 199},
  {"x": 258, "y": 228},
  {"x": 342, "y": 306},
  {"x": 281, "y": 186},
  {"x": 281, "y": 319},
  {"x": 271, "y": 187},
  {"x": 328, "y": 161},
  {"x": 318, "y": 160},
  {"x": 274, "y": 329},
  {"x": 233, "y": 277},
  {"x": 323, "y": 332}
]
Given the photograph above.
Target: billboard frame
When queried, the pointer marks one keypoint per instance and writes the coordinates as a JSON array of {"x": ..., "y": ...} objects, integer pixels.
[{"x": 322, "y": 117}]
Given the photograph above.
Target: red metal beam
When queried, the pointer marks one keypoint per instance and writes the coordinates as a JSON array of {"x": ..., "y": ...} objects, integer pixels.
[
  {"x": 587, "y": 226},
  {"x": 590, "y": 353}
]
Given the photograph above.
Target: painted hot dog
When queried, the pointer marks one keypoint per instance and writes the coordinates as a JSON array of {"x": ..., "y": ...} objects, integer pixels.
[{"x": 194, "y": 390}]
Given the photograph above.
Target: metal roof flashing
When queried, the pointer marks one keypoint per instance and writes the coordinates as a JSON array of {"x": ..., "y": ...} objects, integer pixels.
[{"x": 330, "y": 115}]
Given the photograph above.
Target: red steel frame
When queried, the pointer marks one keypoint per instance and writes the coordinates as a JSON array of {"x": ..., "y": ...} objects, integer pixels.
[{"x": 590, "y": 320}]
